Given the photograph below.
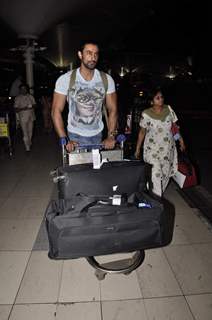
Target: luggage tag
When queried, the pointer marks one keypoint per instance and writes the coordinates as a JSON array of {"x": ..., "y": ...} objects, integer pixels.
[
  {"x": 97, "y": 159},
  {"x": 116, "y": 199},
  {"x": 119, "y": 200}
]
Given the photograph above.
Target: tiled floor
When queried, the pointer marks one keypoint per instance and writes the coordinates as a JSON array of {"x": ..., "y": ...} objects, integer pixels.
[{"x": 173, "y": 283}]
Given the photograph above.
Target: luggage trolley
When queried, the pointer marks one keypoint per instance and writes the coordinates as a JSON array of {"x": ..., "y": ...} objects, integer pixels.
[
  {"x": 5, "y": 131},
  {"x": 86, "y": 220},
  {"x": 83, "y": 154}
]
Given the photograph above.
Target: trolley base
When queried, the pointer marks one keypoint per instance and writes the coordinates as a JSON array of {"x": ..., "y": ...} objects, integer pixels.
[{"x": 125, "y": 266}]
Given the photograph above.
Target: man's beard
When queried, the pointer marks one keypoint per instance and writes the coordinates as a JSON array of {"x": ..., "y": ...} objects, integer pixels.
[{"x": 90, "y": 65}]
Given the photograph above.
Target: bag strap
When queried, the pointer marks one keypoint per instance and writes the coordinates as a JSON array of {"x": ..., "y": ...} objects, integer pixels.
[
  {"x": 104, "y": 80},
  {"x": 84, "y": 201},
  {"x": 72, "y": 78},
  {"x": 105, "y": 83},
  {"x": 171, "y": 112},
  {"x": 173, "y": 115}
]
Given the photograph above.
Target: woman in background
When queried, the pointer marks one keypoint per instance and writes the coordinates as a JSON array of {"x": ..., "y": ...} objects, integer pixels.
[{"x": 159, "y": 144}]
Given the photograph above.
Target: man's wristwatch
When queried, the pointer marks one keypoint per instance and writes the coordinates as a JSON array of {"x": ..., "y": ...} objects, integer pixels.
[{"x": 112, "y": 134}]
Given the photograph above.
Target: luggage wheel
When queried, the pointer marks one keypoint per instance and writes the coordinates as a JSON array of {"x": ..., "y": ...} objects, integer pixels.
[{"x": 125, "y": 266}]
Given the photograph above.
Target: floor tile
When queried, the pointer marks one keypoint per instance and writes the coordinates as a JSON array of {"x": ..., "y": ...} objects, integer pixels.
[
  {"x": 190, "y": 229},
  {"x": 13, "y": 173},
  {"x": 33, "y": 312},
  {"x": 124, "y": 310},
  {"x": 7, "y": 186},
  {"x": 32, "y": 188},
  {"x": 79, "y": 311},
  {"x": 120, "y": 287},
  {"x": 43, "y": 169},
  {"x": 37, "y": 283},
  {"x": 173, "y": 308},
  {"x": 12, "y": 267},
  {"x": 78, "y": 282},
  {"x": 41, "y": 281},
  {"x": 41, "y": 242},
  {"x": 201, "y": 306},
  {"x": 2, "y": 201},
  {"x": 16, "y": 234},
  {"x": 192, "y": 265},
  {"x": 156, "y": 277},
  {"x": 114, "y": 257},
  {"x": 114, "y": 286},
  {"x": 24, "y": 207},
  {"x": 181, "y": 207},
  {"x": 5, "y": 311}
]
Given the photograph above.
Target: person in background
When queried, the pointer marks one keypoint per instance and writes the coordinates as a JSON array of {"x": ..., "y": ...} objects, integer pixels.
[
  {"x": 24, "y": 106},
  {"x": 14, "y": 92},
  {"x": 159, "y": 148},
  {"x": 85, "y": 100},
  {"x": 14, "y": 89},
  {"x": 46, "y": 101}
]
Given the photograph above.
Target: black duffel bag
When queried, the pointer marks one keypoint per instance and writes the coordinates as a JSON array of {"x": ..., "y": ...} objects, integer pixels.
[
  {"x": 91, "y": 225},
  {"x": 114, "y": 177}
]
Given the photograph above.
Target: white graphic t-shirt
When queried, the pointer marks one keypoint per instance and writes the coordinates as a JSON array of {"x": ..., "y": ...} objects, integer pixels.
[{"x": 85, "y": 102}]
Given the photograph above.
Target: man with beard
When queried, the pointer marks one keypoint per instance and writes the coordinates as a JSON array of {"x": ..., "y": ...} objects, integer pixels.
[{"x": 85, "y": 99}]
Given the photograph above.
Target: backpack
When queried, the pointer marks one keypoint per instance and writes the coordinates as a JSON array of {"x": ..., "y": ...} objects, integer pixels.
[{"x": 105, "y": 84}]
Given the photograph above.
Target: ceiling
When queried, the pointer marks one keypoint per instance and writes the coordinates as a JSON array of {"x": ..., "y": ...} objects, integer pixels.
[
  {"x": 138, "y": 26},
  {"x": 68, "y": 22}
]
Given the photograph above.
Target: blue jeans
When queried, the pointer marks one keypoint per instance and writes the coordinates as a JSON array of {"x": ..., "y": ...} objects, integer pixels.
[{"x": 94, "y": 140}]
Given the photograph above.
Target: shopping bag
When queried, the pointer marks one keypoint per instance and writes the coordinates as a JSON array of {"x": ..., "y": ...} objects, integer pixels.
[
  {"x": 186, "y": 175},
  {"x": 189, "y": 171}
]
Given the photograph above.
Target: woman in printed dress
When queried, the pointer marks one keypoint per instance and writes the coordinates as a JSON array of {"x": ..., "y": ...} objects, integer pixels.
[{"x": 159, "y": 144}]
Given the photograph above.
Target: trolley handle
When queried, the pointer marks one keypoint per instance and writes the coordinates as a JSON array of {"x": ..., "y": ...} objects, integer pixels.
[
  {"x": 63, "y": 141},
  {"x": 119, "y": 139},
  {"x": 89, "y": 146}
]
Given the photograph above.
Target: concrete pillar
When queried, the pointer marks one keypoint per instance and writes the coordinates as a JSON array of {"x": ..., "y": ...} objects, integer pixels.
[{"x": 29, "y": 55}]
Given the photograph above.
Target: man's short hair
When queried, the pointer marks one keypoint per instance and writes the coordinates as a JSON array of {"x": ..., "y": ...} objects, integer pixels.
[{"x": 83, "y": 44}]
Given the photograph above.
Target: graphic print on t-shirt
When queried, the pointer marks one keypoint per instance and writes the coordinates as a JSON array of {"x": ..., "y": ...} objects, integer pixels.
[{"x": 86, "y": 106}]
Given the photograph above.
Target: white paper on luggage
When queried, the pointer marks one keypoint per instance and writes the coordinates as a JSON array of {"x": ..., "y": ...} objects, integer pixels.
[{"x": 179, "y": 178}]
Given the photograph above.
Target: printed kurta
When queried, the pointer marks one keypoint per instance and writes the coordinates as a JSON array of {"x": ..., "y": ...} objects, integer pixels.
[{"x": 159, "y": 146}]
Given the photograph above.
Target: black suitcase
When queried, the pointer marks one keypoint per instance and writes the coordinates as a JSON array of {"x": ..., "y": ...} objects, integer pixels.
[
  {"x": 120, "y": 177},
  {"x": 86, "y": 226}
]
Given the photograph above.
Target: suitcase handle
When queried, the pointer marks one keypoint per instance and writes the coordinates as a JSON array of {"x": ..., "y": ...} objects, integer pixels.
[
  {"x": 87, "y": 202},
  {"x": 81, "y": 208}
]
